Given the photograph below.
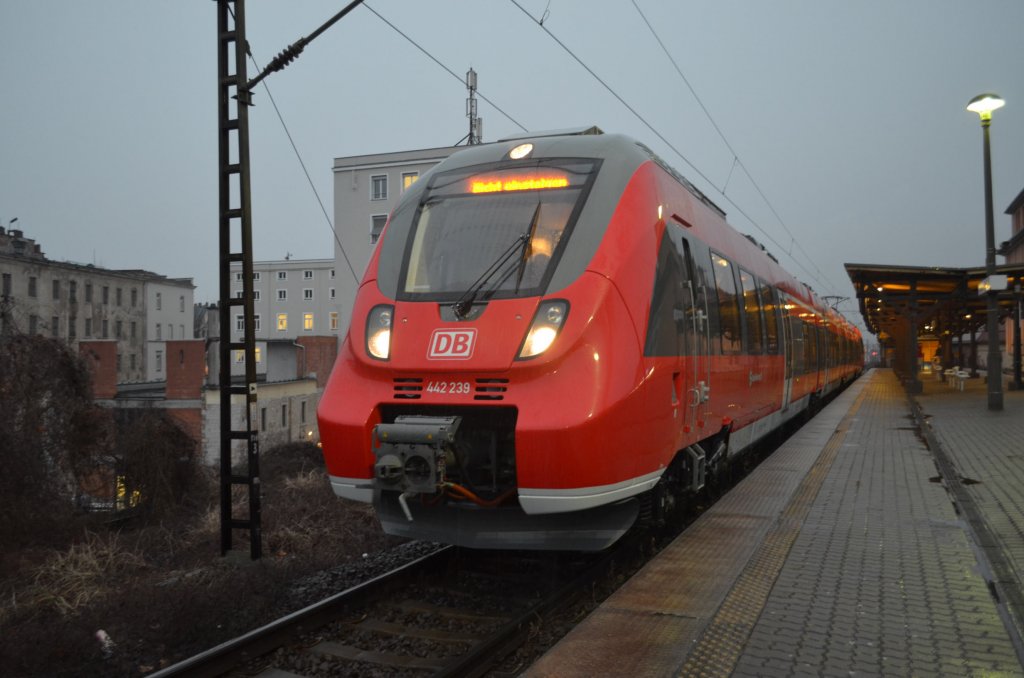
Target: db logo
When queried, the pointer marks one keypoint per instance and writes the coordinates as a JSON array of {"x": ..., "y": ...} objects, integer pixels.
[{"x": 452, "y": 344}]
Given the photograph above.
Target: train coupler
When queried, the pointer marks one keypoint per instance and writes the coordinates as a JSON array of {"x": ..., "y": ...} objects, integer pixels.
[{"x": 412, "y": 454}]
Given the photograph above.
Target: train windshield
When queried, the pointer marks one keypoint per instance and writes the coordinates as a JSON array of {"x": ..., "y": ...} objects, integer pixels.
[{"x": 497, "y": 229}]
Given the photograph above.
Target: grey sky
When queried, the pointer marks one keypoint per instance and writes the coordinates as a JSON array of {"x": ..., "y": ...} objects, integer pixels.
[{"x": 849, "y": 115}]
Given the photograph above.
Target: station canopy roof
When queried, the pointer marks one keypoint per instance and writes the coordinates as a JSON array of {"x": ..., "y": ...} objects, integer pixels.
[{"x": 941, "y": 300}]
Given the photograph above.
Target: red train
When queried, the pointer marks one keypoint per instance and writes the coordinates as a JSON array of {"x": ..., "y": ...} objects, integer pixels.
[{"x": 556, "y": 334}]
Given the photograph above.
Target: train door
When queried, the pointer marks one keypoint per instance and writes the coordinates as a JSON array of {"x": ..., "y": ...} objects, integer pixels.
[
  {"x": 787, "y": 348},
  {"x": 698, "y": 329}
]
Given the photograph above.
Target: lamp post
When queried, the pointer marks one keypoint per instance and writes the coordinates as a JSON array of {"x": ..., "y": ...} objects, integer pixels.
[{"x": 983, "y": 105}]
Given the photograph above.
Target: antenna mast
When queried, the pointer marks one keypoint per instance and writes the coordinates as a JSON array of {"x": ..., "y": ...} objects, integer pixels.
[{"x": 476, "y": 125}]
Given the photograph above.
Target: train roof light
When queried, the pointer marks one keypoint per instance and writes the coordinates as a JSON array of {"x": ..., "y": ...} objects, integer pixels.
[{"x": 521, "y": 151}]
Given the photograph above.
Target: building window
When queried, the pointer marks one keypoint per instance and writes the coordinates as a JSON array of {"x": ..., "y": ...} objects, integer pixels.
[
  {"x": 307, "y": 275},
  {"x": 263, "y": 419},
  {"x": 118, "y": 362},
  {"x": 282, "y": 322},
  {"x": 379, "y": 187},
  {"x": 408, "y": 179},
  {"x": 159, "y": 361},
  {"x": 72, "y": 291},
  {"x": 240, "y": 323},
  {"x": 238, "y": 276},
  {"x": 88, "y": 327},
  {"x": 259, "y": 355},
  {"x": 170, "y": 331},
  {"x": 159, "y": 301},
  {"x": 118, "y": 328},
  {"x": 332, "y": 274},
  {"x": 256, "y": 275},
  {"x": 255, "y": 324},
  {"x": 135, "y": 297},
  {"x": 334, "y": 320},
  {"x": 239, "y": 293},
  {"x": 307, "y": 294},
  {"x": 7, "y": 285},
  {"x": 302, "y": 412},
  {"x": 282, "y": 275},
  {"x": 131, "y": 328},
  {"x": 159, "y": 336},
  {"x": 182, "y": 328},
  {"x": 284, "y": 415},
  {"x": 106, "y": 294},
  {"x": 181, "y": 303},
  {"x": 72, "y": 328},
  {"x": 282, "y": 295},
  {"x": 32, "y": 292},
  {"x": 119, "y": 297},
  {"x": 54, "y": 327},
  {"x": 33, "y": 324},
  {"x": 377, "y": 226},
  {"x": 106, "y": 329},
  {"x": 332, "y": 294},
  {"x": 88, "y": 293},
  {"x": 240, "y": 356},
  {"x": 56, "y": 289},
  {"x": 307, "y": 322},
  {"x": 131, "y": 361}
]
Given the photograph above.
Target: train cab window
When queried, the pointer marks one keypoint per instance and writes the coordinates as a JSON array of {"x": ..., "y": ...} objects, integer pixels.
[
  {"x": 493, "y": 228},
  {"x": 730, "y": 333},
  {"x": 751, "y": 312},
  {"x": 671, "y": 305},
  {"x": 770, "y": 304}
]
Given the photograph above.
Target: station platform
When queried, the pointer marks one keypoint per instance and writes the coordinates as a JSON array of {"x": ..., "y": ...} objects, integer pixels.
[{"x": 867, "y": 544}]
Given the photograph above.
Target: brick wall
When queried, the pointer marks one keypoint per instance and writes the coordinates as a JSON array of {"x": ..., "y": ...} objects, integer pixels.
[
  {"x": 101, "y": 357},
  {"x": 186, "y": 369},
  {"x": 319, "y": 357}
]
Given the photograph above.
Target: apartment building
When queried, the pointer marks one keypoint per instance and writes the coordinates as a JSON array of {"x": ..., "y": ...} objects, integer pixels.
[
  {"x": 366, "y": 189},
  {"x": 138, "y": 310}
]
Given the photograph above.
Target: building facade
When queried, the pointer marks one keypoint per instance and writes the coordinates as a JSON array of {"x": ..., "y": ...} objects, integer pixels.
[
  {"x": 293, "y": 298},
  {"x": 366, "y": 189},
  {"x": 78, "y": 302}
]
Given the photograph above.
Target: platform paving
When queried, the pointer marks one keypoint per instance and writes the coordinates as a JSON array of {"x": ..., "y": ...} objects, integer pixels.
[{"x": 848, "y": 558}]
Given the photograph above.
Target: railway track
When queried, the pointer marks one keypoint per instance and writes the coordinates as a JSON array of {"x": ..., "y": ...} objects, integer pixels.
[{"x": 453, "y": 612}]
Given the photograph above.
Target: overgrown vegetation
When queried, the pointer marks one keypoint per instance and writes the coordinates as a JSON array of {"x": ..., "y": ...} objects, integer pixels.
[
  {"x": 124, "y": 593},
  {"x": 48, "y": 423}
]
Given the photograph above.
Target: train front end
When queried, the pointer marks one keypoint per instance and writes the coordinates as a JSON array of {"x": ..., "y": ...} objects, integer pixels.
[{"x": 484, "y": 393}]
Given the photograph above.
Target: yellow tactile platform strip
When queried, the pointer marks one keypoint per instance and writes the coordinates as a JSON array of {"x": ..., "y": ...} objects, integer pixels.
[{"x": 719, "y": 647}]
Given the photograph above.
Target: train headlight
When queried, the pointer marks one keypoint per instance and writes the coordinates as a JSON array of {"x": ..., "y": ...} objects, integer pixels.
[
  {"x": 378, "y": 331},
  {"x": 546, "y": 324}
]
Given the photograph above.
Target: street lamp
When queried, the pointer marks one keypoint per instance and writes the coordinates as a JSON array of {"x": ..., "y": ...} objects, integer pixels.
[{"x": 983, "y": 105}]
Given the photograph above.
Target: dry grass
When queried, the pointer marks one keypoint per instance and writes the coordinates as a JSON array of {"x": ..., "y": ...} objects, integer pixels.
[
  {"x": 83, "y": 574},
  {"x": 161, "y": 591}
]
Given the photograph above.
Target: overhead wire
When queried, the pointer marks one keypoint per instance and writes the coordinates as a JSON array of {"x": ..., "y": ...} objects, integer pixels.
[
  {"x": 439, "y": 63},
  {"x": 298, "y": 155},
  {"x": 679, "y": 153},
  {"x": 736, "y": 158}
]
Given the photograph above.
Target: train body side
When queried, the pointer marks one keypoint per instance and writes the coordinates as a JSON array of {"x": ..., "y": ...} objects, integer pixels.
[{"x": 586, "y": 428}]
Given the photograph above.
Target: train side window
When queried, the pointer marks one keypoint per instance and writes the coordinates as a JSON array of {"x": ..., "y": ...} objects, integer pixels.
[
  {"x": 666, "y": 324},
  {"x": 751, "y": 312},
  {"x": 770, "y": 304},
  {"x": 796, "y": 333},
  {"x": 810, "y": 346},
  {"x": 730, "y": 333}
]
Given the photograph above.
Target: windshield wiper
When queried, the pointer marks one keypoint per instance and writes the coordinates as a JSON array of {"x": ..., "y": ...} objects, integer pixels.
[
  {"x": 527, "y": 247},
  {"x": 465, "y": 302}
]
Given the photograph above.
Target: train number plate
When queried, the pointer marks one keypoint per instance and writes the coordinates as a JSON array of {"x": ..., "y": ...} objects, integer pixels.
[{"x": 451, "y": 387}]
